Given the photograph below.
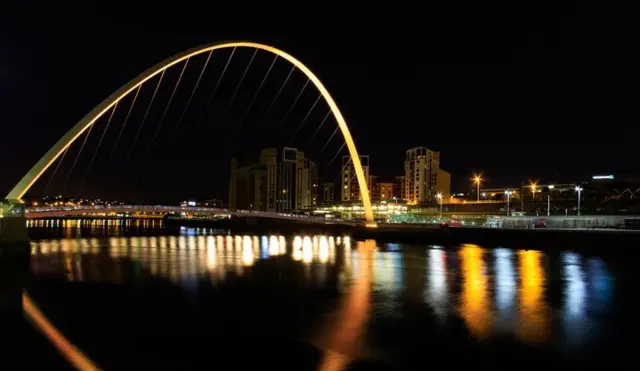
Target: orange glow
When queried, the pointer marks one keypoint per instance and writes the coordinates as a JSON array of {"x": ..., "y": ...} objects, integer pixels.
[
  {"x": 69, "y": 351},
  {"x": 43, "y": 164},
  {"x": 343, "y": 338},
  {"x": 475, "y": 307},
  {"x": 477, "y": 179},
  {"x": 533, "y": 311}
]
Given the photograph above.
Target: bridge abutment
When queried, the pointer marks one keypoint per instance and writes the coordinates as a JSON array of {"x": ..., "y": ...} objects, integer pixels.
[{"x": 15, "y": 254}]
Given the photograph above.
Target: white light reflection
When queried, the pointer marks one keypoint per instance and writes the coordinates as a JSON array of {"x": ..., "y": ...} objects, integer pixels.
[
  {"x": 307, "y": 253},
  {"x": 437, "y": 291},
  {"x": 575, "y": 295},
  {"x": 297, "y": 248},
  {"x": 506, "y": 285}
]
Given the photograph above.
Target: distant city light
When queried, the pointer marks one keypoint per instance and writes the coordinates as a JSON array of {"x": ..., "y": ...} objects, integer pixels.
[{"x": 602, "y": 177}]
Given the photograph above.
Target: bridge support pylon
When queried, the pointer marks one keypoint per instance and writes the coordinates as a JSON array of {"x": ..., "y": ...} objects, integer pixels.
[{"x": 15, "y": 254}]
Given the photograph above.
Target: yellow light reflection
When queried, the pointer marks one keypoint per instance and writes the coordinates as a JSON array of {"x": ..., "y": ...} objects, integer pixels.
[
  {"x": 273, "y": 246},
  {"x": 475, "y": 306},
  {"x": 344, "y": 335},
  {"x": 534, "y": 313},
  {"x": 324, "y": 250},
  {"x": 247, "y": 251}
]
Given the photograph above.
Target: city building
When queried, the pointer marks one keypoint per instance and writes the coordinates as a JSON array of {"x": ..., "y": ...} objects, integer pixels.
[
  {"x": 422, "y": 172},
  {"x": 443, "y": 184},
  {"x": 399, "y": 188},
  {"x": 326, "y": 194},
  {"x": 381, "y": 191},
  {"x": 278, "y": 180},
  {"x": 350, "y": 189}
]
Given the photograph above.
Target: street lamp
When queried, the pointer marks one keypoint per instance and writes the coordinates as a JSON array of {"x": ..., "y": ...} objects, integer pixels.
[
  {"x": 533, "y": 186},
  {"x": 477, "y": 179},
  {"x": 508, "y": 193},
  {"x": 551, "y": 187},
  {"x": 439, "y": 197},
  {"x": 579, "y": 190}
]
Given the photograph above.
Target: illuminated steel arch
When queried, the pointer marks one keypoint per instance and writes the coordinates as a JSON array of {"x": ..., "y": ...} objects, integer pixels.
[{"x": 43, "y": 164}]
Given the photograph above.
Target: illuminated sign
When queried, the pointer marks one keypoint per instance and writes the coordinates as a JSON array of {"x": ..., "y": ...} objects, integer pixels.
[
  {"x": 602, "y": 177},
  {"x": 191, "y": 203}
]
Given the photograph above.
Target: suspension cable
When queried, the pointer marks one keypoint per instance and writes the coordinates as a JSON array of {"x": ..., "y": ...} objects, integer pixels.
[
  {"x": 331, "y": 137},
  {"x": 164, "y": 113},
  {"x": 235, "y": 92},
  {"x": 256, "y": 94},
  {"x": 335, "y": 156},
  {"x": 46, "y": 189},
  {"x": 95, "y": 153},
  {"x": 286, "y": 116},
  {"x": 305, "y": 118},
  {"x": 318, "y": 128},
  {"x": 194, "y": 90},
  {"x": 221, "y": 76},
  {"x": 75, "y": 161},
  {"x": 144, "y": 118},
  {"x": 115, "y": 146},
  {"x": 277, "y": 95}
]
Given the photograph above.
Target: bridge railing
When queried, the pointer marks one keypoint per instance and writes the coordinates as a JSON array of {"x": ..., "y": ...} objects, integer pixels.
[{"x": 186, "y": 209}]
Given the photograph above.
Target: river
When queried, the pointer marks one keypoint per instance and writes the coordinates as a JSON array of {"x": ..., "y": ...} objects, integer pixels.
[{"x": 138, "y": 294}]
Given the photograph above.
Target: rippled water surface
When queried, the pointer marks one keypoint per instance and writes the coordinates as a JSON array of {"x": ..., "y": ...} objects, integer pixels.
[{"x": 152, "y": 297}]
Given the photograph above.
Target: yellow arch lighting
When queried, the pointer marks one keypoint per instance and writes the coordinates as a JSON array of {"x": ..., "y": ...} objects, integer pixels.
[{"x": 41, "y": 166}]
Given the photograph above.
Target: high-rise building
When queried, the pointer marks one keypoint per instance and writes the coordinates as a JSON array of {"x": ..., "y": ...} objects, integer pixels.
[
  {"x": 276, "y": 181},
  {"x": 421, "y": 169},
  {"x": 327, "y": 193},
  {"x": 252, "y": 185},
  {"x": 350, "y": 189}
]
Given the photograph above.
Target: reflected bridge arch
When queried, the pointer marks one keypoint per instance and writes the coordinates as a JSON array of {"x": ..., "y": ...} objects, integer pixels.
[{"x": 87, "y": 121}]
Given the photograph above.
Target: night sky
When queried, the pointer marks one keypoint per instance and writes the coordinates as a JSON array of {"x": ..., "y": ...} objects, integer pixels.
[{"x": 516, "y": 92}]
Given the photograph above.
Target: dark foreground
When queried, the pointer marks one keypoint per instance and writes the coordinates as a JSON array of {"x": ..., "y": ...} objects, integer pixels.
[{"x": 204, "y": 300}]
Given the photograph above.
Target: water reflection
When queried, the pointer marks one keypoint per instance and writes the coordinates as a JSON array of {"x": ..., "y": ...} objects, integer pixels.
[
  {"x": 492, "y": 291},
  {"x": 533, "y": 308},
  {"x": 437, "y": 290},
  {"x": 177, "y": 258},
  {"x": 505, "y": 287},
  {"x": 475, "y": 306},
  {"x": 345, "y": 334}
]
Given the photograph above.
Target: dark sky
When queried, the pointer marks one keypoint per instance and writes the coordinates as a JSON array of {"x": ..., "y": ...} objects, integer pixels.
[{"x": 516, "y": 92}]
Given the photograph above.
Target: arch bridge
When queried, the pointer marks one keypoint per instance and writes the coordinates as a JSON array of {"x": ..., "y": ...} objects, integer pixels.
[
  {"x": 14, "y": 246},
  {"x": 101, "y": 109}
]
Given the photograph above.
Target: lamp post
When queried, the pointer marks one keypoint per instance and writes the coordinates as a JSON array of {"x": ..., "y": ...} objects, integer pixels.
[
  {"x": 579, "y": 190},
  {"x": 551, "y": 187},
  {"x": 508, "y": 193},
  {"x": 439, "y": 197},
  {"x": 477, "y": 179},
  {"x": 533, "y": 190}
]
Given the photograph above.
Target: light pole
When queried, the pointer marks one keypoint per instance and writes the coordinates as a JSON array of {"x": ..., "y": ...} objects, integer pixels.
[
  {"x": 477, "y": 179},
  {"x": 579, "y": 190},
  {"x": 551, "y": 187},
  {"x": 439, "y": 197},
  {"x": 508, "y": 193},
  {"x": 533, "y": 186}
]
